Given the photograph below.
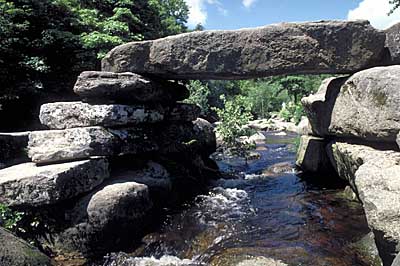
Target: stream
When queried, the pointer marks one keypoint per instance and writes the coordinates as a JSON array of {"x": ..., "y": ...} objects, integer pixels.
[{"x": 269, "y": 216}]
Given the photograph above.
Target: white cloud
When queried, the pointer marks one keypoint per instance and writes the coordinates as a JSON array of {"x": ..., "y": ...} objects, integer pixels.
[
  {"x": 376, "y": 11},
  {"x": 198, "y": 11},
  {"x": 248, "y": 3}
]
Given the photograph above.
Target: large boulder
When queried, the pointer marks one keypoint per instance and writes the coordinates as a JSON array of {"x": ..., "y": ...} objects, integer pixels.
[
  {"x": 77, "y": 143},
  {"x": 107, "y": 87},
  {"x": 16, "y": 252},
  {"x": 61, "y": 115},
  {"x": 365, "y": 106},
  {"x": 31, "y": 185},
  {"x": 374, "y": 176},
  {"x": 287, "y": 48},
  {"x": 153, "y": 175},
  {"x": 312, "y": 156},
  {"x": 49, "y": 146},
  {"x": 105, "y": 219},
  {"x": 393, "y": 43}
]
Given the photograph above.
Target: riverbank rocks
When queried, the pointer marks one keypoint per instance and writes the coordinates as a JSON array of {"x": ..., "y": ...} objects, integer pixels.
[
  {"x": 286, "y": 48},
  {"x": 392, "y": 43},
  {"x": 364, "y": 106},
  {"x": 49, "y": 146},
  {"x": 312, "y": 156},
  {"x": 62, "y": 115},
  {"x": 31, "y": 185},
  {"x": 94, "y": 176},
  {"x": 112, "y": 213},
  {"x": 374, "y": 176},
  {"x": 108, "y": 87},
  {"x": 17, "y": 252}
]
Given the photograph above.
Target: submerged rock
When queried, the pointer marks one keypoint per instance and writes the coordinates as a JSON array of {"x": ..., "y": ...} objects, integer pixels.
[
  {"x": 365, "y": 106},
  {"x": 31, "y": 185},
  {"x": 374, "y": 176},
  {"x": 105, "y": 219},
  {"x": 286, "y": 48},
  {"x": 16, "y": 252},
  {"x": 108, "y": 87},
  {"x": 62, "y": 115}
]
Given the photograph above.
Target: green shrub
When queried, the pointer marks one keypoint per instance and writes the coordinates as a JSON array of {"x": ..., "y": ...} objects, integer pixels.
[
  {"x": 199, "y": 93},
  {"x": 233, "y": 118}
]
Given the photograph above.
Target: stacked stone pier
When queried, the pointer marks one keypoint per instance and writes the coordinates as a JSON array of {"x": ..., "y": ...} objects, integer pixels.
[{"x": 107, "y": 162}]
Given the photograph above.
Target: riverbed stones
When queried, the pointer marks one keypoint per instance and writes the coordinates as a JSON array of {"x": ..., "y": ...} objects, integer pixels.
[
  {"x": 108, "y": 87},
  {"x": 374, "y": 176},
  {"x": 49, "y": 146},
  {"x": 62, "y": 115},
  {"x": 365, "y": 106},
  {"x": 111, "y": 214},
  {"x": 16, "y": 252},
  {"x": 31, "y": 185},
  {"x": 286, "y": 48}
]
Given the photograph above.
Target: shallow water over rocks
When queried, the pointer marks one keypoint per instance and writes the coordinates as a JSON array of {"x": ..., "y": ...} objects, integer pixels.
[{"x": 269, "y": 216}]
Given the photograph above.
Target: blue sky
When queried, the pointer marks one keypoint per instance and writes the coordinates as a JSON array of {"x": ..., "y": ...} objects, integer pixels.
[{"x": 234, "y": 14}]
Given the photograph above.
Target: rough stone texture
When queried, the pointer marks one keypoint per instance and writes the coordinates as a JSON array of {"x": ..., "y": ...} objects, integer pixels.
[
  {"x": 398, "y": 139},
  {"x": 393, "y": 43},
  {"x": 312, "y": 156},
  {"x": 374, "y": 176},
  {"x": 304, "y": 127},
  {"x": 107, "y": 87},
  {"x": 63, "y": 115},
  {"x": 77, "y": 143},
  {"x": 287, "y": 48},
  {"x": 197, "y": 137},
  {"x": 153, "y": 175},
  {"x": 184, "y": 112},
  {"x": 104, "y": 219},
  {"x": 366, "y": 106},
  {"x": 12, "y": 148},
  {"x": 16, "y": 252},
  {"x": 50, "y": 146},
  {"x": 30, "y": 185}
]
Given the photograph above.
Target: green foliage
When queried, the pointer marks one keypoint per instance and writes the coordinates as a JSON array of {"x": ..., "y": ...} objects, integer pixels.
[
  {"x": 45, "y": 44},
  {"x": 233, "y": 118},
  {"x": 292, "y": 112},
  {"x": 199, "y": 93},
  {"x": 25, "y": 224},
  {"x": 9, "y": 219}
]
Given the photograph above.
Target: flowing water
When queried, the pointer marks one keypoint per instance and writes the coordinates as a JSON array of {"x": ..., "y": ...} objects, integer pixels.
[{"x": 269, "y": 216}]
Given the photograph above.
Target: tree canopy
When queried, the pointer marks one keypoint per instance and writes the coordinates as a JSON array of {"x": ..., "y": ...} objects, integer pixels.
[{"x": 45, "y": 44}]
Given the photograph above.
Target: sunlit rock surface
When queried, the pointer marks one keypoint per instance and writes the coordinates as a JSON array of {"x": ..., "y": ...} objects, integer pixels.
[
  {"x": 286, "y": 48},
  {"x": 108, "y": 87},
  {"x": 374, "y": 176},
  {"x": 31, "y": 185},
  {"x": 364, "y": 106}
]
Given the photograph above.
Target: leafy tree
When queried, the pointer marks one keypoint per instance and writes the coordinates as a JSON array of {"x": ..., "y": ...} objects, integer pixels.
[
  {"x": 233, "y": 117},
  {"x": 45, "y": 44}
]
